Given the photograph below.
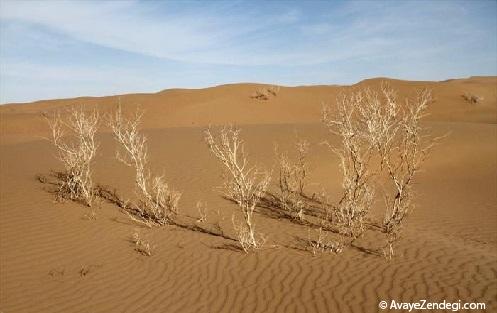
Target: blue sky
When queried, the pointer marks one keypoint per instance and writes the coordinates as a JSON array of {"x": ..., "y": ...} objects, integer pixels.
[{"x": 56, "y": 49}]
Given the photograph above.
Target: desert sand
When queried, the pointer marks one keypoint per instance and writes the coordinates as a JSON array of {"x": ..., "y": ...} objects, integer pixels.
[{"x": 52, "y": 259}]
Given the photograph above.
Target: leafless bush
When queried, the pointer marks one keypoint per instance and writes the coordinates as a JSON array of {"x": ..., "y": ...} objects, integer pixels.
[
  {"x": 355, "y": 157},
  {"x": 157, "y": 202},
  {"x": 291, "y": 182},
  {"x": 245, "y": 184},
  {"x": 472, "y": 98},
  {"x": 407, "y": 153},
  {"x": 76, "y": 152},
  {"x": 378, "y": 137},
  {"x": 142, "y": 246}
]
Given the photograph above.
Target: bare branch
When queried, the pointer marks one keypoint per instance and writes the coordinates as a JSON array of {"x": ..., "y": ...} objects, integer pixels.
[
  {"x": 157, "y": 202},
  {"x": 76, "y": 152},
  {"x": 245, "y": 185},
  {"x": 375, "y": 130}
]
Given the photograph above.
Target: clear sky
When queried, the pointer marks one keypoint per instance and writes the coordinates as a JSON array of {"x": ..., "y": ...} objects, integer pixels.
[{"x": 56, "y": 49}]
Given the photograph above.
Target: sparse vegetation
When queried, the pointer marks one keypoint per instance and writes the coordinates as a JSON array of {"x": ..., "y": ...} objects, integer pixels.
[
  {"x": 157, "y": 202},
  {"x": 378, "y": 137},
  {"x": 87, "y": 269},
  {"x": 292, "y": 179},
  {"x": 245, "y": 234},
  {"x": 142, "y": 246},
  {"x": 320, "y": 243},
  {"x": 76, "y": 151},
  {"x": 245, "y": 184},
  {"x": 202, "y": 211},
  {"x": 355, "y": 156},
  {"x": 406, "y": 155},
  {"x": 472, "y": 98},
  {"x": 266, "y": 93},
  {"x": 56, "y": 272}
]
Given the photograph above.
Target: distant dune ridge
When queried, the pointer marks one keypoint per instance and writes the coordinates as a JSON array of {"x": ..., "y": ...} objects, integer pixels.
[
  {"x": 54, "y": 259},
  {"x": 233, "y": 104}
]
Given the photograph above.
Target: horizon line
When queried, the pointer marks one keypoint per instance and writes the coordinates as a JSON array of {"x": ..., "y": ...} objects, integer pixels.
[{"x": 247, "y": 83}]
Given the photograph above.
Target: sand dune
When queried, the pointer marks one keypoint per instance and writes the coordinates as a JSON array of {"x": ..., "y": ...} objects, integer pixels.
[
  {"x": 233, "y": 104},
  {"x": 53, "y": 260}
]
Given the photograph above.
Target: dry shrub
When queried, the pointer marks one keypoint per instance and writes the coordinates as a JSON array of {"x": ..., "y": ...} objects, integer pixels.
[
  {"x": 472, "y": 98},
  {"x": 379, "y": 137},
  {"x": 407, "y": 153},
  {"x": 355, "y": 157},
  {"x": 85, "y": 270},
  {"x": 202, "y": 211},
  {"x": 292, "y": 179},
  {"x": 76, "y": 151},
  {"x": 246, "y": 235},
  {"x": 157, "y": 203},
  {"x": 245, "y": 184},
  {"x": 320, "y": 243},
  {"x": 266, "y": 93},
  {"x": 142, "y": 246}
]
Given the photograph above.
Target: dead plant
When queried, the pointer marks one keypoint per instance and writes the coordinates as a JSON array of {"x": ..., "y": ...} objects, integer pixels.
[
  {"x": 76, "y": 151},
  {"x": 320, "y": 243},
  {"x": 266, "y": 93},
  {"x": 292, "y": 181},
  {"x": 379, "y": 137},
  {"x": 202, "y": 211},
  {"x": 472, "y": 98},
  {"x": 245, "y": 184},
  {"x": 355, "y": 158},
  {"x": 409, "y": 151},
  {"x": 246, "y": 237},
  {"x": 142, "y": 246},
  {"x": 157, "y": 203}
]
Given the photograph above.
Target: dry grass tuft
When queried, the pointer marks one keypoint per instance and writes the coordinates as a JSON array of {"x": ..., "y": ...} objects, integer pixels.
[
  {"x": 202, "y": 211},
  {"x": 142, "y": 246},
  {"x": 321, "y": 243}
]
